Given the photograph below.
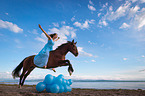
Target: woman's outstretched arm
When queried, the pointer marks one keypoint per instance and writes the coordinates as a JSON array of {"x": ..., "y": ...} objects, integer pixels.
[{"x": 45, "y": 32}]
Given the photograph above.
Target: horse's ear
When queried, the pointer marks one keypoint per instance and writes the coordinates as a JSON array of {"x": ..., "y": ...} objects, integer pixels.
[
  {"x": 68, "y": 41},
  {"x": 73, "y": 41}
]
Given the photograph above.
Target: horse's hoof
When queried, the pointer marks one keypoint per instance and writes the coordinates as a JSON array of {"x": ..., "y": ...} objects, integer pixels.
[
  {"x": 20, "y": 86},
  {"x": 70, "y": 72},
  {"x": 54, "y": 71}
]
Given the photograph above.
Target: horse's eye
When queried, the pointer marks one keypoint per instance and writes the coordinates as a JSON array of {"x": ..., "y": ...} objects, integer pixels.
[{"x": 74, "y": 47}]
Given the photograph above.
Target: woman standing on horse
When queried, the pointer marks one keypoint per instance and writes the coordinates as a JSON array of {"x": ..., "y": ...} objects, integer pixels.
[{"x": 41, "y": 58}]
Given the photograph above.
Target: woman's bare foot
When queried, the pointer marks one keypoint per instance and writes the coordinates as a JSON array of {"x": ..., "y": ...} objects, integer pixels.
[
  {"x": 53, "y": 69},
  {"x": 45, "y": 67}
]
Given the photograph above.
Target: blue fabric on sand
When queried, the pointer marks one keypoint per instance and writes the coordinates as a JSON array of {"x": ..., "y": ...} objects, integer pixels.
[{"x": 41, "y": 58}]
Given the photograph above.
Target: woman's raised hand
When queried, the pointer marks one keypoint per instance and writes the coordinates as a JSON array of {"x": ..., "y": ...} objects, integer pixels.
[
  {"x": 39, "y": 26},
  {"x": 44, "y": 32}
]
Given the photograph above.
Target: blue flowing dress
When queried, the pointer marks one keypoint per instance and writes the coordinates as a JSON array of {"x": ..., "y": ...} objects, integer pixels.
[{"x": 41, "y": 58}]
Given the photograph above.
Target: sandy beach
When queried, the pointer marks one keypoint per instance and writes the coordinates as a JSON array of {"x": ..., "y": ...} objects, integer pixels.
[{"x": 29, "y": 90}]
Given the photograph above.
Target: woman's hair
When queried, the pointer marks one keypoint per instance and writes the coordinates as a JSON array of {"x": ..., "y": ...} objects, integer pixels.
[{"x": 52, "y": 35}]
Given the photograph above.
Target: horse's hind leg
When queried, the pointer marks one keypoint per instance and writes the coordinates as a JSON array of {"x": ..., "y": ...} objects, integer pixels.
[
  {"x": 26, "y": 74},
  {"x": 21, "y": 77}
]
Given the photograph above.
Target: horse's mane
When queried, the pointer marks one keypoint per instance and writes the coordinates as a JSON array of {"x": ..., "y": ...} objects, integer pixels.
[{"x": 62, "y": 45}]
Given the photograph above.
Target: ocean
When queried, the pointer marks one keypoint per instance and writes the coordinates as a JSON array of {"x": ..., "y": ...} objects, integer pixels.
[{"x": 90, "y": 84}]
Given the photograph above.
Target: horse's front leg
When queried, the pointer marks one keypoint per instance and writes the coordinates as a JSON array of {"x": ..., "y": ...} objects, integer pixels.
[
  {"x": 70, "y": 69},
  {"x": 67, "y": 63}
]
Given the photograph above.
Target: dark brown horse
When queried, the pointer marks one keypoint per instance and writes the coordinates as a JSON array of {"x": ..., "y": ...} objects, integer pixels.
[{"x": 56, "y": 59}]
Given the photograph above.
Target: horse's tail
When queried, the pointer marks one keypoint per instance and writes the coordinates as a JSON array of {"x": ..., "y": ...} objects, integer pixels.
[{"x": 16, "y": 71}]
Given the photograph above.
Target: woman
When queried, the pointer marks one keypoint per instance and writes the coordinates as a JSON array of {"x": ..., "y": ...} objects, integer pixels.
[{"x": 41, "y": 58}]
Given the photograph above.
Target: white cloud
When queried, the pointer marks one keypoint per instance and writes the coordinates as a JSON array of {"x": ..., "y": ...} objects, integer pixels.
[
  {"x": 62, "y": 32},
  {"x": 142, "y": 1},
  {"x": 135, "y": 14},
  {"x": 73, "y": 18},
  {"x": 91, "y": 8},
  {"x": 120, "y": 12},
  {"x": 83, "y": 53},
  {"x": 114, "y": 15},
  {"x": 138, "y": 21},
  {"x": 56, "y": 24},
  {"x": 63, "y": 22},
  {"x": 73, "y": 34},
  {"x": 142, "y": 10},
  {"x": 133, "y": 11},
  {"x": 124, "y": 25},
  {"x": 7, "y": 13},
  {"x": 85, "y": 24},
  {"x": 91, "y": 2},
  {"x": 93, "y": 60},
  {"x": 104, "y": 6},
  {"x": 91, "y": 21},
  {"x": 132, "y": 74},
  {"x": 77, "y": 24},
  {"x": 133, "y": 1},
  {"x": 40, "y": 39},
  {"x": 142, "y": 56},
  {"x": 110, "y": 8},
  {"x": 9, "y": 25},
  {"x": 82, "y": 26},
  {"x": 124, "y": 59},
  {"x": 141, "y": 20},
  {"x": 104, "y": 23},
  {"x": 92, "y": 43},
  {"x": 40, "y": 74},
  {"x": 5, "y": 75},
  {"x": 99, "y": 14},
  {"x": 118, "y": 76}
]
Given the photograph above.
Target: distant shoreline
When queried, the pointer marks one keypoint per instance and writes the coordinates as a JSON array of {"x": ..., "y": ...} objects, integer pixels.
[
  {"x": 13, "y": 90},
  {"x": 109, "y": 80},
  {"x": 89, "y": 84},
  {"x": 79, "y": 80}
]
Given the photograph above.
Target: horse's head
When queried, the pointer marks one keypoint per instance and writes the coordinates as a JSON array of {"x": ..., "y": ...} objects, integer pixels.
[{"x": 73, "y": 49}]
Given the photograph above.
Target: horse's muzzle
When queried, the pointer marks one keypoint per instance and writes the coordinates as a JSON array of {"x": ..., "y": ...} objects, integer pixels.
[{"x": 76, "y": 54}]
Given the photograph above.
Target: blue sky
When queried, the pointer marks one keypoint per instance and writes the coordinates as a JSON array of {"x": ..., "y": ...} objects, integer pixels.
[{"x": 109, "y": 33}]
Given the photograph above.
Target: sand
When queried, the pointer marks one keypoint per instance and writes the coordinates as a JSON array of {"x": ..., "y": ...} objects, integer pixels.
[{"x": 29, "y": 90}]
